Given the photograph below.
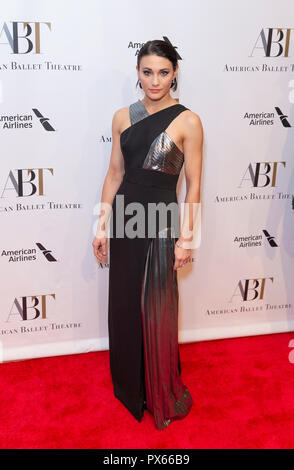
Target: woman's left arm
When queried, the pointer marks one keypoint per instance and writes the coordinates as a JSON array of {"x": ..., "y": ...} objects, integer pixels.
[{"x": 193, "y": 150}]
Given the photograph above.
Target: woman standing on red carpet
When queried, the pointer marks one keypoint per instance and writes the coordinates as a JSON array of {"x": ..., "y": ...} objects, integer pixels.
[{"x": 152, "y": 139}]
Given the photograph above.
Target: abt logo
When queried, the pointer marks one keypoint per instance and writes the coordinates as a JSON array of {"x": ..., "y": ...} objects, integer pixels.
[
  {"x": 274, "y": 42},
  {"x": 18, "y": 182},
  {"x": 261, "y": 174},
  {"x": 23, "y": 309},
  {"x": 251, "y": 289},
  {"x": 24, "y": 33}
]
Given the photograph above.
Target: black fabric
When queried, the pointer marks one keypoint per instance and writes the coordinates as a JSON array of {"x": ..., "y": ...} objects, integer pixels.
[{"x": 128, "y": 257}]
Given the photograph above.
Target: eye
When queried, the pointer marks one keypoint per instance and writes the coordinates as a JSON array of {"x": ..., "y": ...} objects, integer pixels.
[{"x": 147, "y": 72}]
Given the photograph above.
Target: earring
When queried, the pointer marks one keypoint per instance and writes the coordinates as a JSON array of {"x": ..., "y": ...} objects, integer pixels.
[
  {"x": 173, "y": 83},
  {"x": 140, "y": 84}
]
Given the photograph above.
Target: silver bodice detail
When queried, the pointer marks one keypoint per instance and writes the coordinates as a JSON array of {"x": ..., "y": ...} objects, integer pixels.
[{"x": 163, "y": 154}]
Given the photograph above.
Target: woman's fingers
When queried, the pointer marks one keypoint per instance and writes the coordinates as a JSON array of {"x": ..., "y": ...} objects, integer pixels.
[
  {"x": 103, "y": 248},
  {"x": 97, "y": 252},
  {"x": 180, "y": 261},
  {"x": 100, "y": 249}
]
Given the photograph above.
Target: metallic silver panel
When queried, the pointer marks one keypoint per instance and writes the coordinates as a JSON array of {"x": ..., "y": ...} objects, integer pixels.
[
  {"x": 137, "y": 112},
  {"x": 167, "y": 396},
  {"x": 164, "y": 155}
]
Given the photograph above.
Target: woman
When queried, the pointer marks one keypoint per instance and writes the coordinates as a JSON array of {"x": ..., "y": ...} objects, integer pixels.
[{"x": 151, "y": 139}]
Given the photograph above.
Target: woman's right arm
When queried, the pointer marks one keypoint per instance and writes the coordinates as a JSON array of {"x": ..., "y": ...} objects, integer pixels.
[{"x": 111, "y": 184}]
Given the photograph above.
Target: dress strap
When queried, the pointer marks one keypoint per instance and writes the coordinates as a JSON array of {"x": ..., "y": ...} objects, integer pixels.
[{"x": 137, "y": 112}]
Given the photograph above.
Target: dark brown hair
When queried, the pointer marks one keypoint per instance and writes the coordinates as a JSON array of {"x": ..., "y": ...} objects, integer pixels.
[{"x": 162, "y": 49}]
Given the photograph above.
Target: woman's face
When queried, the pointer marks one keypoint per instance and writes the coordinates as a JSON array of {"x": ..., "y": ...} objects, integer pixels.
[{"x": 156, "y": 74}]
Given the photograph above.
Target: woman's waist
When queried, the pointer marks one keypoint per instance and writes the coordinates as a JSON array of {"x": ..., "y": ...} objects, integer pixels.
[
  {"x": 130, "y": 192},
  {"x": 151, "y": 178}
]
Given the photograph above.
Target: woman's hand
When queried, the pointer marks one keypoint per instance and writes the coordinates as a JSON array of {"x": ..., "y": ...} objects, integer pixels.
[
  {"x": 182, "y": 256},
  {"x": 100, "y": 245}
]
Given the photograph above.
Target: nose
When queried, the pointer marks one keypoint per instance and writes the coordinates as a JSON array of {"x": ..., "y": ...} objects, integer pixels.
[{"x": 155, "y": 80}]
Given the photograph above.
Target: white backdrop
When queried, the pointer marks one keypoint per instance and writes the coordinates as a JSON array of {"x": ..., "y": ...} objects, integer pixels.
[{"x": 66, "y": 67}]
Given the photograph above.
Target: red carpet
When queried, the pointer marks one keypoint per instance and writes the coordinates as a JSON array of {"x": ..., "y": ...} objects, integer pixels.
[{"x": 243, "y": 390}]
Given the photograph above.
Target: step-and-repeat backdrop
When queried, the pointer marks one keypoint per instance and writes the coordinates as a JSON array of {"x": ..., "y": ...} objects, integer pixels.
[{"x": 65, "y": 68}]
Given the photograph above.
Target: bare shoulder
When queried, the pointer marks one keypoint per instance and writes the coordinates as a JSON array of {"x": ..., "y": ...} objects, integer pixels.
[
  {"x": 191, "y": 122},
  {"x": 120, "y": 119},
  {"x": 121, "y": 112}
]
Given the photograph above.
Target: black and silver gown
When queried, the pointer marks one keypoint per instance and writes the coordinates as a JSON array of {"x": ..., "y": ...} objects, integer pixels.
[{"x": 143, "y": 289}]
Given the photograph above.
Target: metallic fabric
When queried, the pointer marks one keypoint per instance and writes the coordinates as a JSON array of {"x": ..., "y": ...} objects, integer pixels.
[
  {"x": 137, "y": 112},
  {"x": 166, "y": 395},
  {"x": 164, "y": 155}
]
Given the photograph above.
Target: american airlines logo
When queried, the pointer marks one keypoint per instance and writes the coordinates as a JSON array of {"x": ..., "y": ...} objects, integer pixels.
[
  {"x": 27, "y": 254},
  {"x": 252, "y": 241},
  {"x": 263, "y": 119},
  {"x": 47, "y": 253},
  {"x": 44, "y": 121},
  {"x": 283, "y": 117},
  {"x": 270, "y": 239},
  {"x": 24, "y": 121},
  {"x": 137, "y": 46}
]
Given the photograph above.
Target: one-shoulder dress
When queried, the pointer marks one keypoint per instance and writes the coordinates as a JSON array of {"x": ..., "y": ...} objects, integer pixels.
[{"x": 144, "y": 353}]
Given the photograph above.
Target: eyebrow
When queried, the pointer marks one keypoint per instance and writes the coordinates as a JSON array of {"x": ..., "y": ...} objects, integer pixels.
[{"x": 148, "y": 68}]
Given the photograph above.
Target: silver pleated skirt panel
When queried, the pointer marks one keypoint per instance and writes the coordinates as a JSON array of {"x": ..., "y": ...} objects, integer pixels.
[{"x": 167, "y": 398}]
